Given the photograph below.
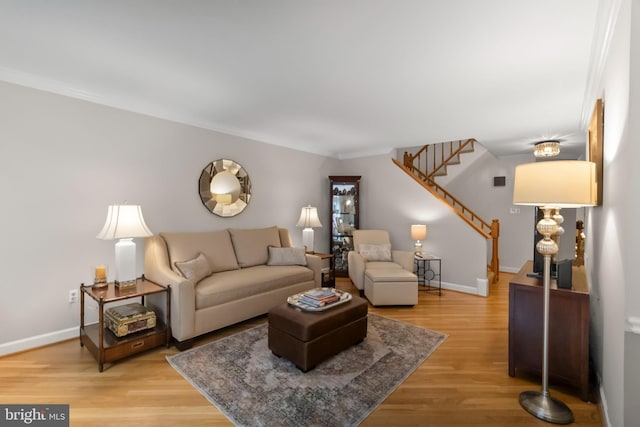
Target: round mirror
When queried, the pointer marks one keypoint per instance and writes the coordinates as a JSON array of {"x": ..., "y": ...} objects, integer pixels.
[{"x": 225, "y": 188}]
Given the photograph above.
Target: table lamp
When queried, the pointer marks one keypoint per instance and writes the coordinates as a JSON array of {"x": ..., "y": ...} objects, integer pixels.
[
  {"x": 551, "y": 185},
  {"x": 418, "y": 233},
  {"x": 124, "y": 222},
  {"x": 308, "y": 219}
]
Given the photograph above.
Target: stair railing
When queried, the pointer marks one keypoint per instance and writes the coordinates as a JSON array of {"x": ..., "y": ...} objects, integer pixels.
[
  {"x": 448, "y": 153},
  {"x": 425, "y": 179}
]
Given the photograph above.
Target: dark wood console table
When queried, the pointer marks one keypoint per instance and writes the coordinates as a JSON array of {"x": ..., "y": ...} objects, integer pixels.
[{"x": 568, "y": 331}]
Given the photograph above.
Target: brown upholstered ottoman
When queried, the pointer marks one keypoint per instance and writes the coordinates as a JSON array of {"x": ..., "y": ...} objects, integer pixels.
[{"x": 307, "y": 338}]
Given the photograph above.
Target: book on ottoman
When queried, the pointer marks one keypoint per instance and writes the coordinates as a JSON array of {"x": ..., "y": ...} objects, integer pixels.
[{"x": 127, "y": 319}]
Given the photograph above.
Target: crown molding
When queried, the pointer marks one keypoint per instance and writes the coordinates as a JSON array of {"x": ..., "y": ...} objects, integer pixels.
[{"x": 606, "y": 20}]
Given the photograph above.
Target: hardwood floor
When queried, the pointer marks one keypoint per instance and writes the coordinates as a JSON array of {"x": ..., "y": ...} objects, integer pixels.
[{"x": 463, "y": 383}]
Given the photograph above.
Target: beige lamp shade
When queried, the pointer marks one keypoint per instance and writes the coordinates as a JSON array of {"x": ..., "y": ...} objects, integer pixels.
[
  {"x": 309, "y": 218},
  {"x": 561, "y": 183},
  {"x": 418, "y": 231}
]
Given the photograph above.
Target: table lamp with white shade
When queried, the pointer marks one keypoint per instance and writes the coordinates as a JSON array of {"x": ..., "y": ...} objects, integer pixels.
[
  {"x": 551, "y": 185},
  {"x": 308, "y": 220},
  {"x": 124, "y": 222}
]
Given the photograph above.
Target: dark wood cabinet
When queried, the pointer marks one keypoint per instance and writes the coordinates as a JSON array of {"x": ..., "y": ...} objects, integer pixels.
[
  {"x": 568, "y": 331},
  {"x": 345, "y": 217}
]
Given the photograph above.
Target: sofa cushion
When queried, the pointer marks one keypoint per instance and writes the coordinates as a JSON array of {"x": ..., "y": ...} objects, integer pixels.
[
  {"x": 226, "y": 286},
  {"x": 285, "y": 238},
  {"x": 252, "y": 245},
  {"x": 194, "y": 269},
  {"x": 286, "y": 256},
  {"x": 371, "y": 252},
  {"x": 214, "y": 245}
]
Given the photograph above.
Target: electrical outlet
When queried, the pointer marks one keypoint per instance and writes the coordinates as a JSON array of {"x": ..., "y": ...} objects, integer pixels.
[{"x": 73, "y": 296}]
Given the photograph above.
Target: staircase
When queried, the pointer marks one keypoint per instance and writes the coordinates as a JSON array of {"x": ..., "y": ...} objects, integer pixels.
[{"x": 432, "y": 161}]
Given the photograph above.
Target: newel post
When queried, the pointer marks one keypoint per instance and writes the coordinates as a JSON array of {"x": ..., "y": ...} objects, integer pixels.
[{"x": 495, "y": 259}]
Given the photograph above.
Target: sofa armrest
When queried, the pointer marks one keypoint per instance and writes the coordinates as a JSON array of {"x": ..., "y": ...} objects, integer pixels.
[
  {"x": 357, "y": 265},
  {"x": 404, "y": 258},
  {"x": 183, "y": 295},
  {"x": 314, "y": 262}
]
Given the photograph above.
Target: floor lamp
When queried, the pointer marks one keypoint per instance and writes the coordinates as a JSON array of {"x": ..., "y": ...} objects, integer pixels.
[{"x": 551, "y": 185}]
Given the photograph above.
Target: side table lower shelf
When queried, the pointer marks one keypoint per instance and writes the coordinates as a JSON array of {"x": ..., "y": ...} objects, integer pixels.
[{"x": 114, "y": 348}]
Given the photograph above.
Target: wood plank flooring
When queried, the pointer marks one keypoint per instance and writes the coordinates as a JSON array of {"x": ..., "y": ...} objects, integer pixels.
[{"x": 463, "y": 383}]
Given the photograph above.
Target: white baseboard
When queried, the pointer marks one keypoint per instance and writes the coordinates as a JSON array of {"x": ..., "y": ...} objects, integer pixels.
[
  {"x": 483, "y": 287},
  {"x": 460, "y": 288},
  {"x": 510, "y": 269},
  {"x": 38, "y": 341},
  {"x": 603, "y": 405}
]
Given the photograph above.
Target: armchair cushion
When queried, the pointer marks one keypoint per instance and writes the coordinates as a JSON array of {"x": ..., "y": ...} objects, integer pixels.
[{"x": 375, "y": 252}]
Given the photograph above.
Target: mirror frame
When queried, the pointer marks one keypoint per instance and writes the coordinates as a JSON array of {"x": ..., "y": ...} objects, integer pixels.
[{"x": 238, "y": 202}]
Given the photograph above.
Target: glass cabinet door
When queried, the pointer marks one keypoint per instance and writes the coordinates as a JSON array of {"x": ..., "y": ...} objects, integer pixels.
[{"x": 345, "y": 191}]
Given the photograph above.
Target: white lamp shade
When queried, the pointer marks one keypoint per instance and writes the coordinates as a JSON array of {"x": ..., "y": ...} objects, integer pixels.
[
  {"x": 418, "y": 232},
  {"x": 124, "y": 221},
  {"x": 561, "y": 183},
  {"x": 309, "y": 218}
]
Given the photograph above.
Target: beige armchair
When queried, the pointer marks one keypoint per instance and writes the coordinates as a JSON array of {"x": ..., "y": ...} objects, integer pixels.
[{"x": 372, "y": 250}]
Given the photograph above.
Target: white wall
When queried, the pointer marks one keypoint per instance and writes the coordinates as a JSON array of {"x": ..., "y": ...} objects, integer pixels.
[
  {"x": 609, "y": 249},
  {"x": 475, "y": 189},
  {"x": 63, "y": 161},
  {"x": 393, "y": 201}
]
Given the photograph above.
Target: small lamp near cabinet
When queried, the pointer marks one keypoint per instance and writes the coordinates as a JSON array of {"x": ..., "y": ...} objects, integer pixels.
[
  {"x": 308, "y": 220},
  {"x": 124, "y": 222},
  {"x": 418, "y": 233},
  {"x": 551, "y": 186}
]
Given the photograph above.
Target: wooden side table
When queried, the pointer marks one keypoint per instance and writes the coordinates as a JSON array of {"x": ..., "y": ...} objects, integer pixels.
[
  {"x": 328, "y": 276},
  {"x": 102, "y": 343}
]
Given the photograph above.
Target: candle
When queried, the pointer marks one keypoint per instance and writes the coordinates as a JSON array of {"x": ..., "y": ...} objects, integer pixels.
[{"x": 101, "y": 273}]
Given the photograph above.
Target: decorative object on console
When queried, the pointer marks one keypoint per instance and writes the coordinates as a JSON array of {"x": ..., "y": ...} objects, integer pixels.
[
  {"x": 418, "y": 233},
  {"x": 551, "y": 186},
  {"x": 100, "y": 276},
  {"x": 544, "y": 149},
  {"x": 125, "y": 222},
  {"x": 224, "y": 187},
  {"x": 308, "y": 219}
]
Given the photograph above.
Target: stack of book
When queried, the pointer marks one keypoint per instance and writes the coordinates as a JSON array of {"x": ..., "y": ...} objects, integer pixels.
[{"x": 319, "y": 297}]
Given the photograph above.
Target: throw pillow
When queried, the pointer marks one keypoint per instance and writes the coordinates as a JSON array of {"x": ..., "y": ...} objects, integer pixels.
[
  {"x": 286, "y": 256},
  {"x": 375, "y": 252},
  {"x": 194, "y": 269}
]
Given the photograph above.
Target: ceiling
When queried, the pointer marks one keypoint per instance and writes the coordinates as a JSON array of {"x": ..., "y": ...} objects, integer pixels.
[{"x": 332, "y": 77}]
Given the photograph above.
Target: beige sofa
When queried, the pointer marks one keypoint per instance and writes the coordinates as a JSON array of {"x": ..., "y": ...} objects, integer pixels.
[{"x": 219, "y": 278}]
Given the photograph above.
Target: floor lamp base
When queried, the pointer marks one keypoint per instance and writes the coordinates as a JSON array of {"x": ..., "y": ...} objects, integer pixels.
[{"x": 545, "y": 407}]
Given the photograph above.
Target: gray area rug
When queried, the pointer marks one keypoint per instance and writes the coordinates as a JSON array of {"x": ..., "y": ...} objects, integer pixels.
[{"x": 252, "y": 387}]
